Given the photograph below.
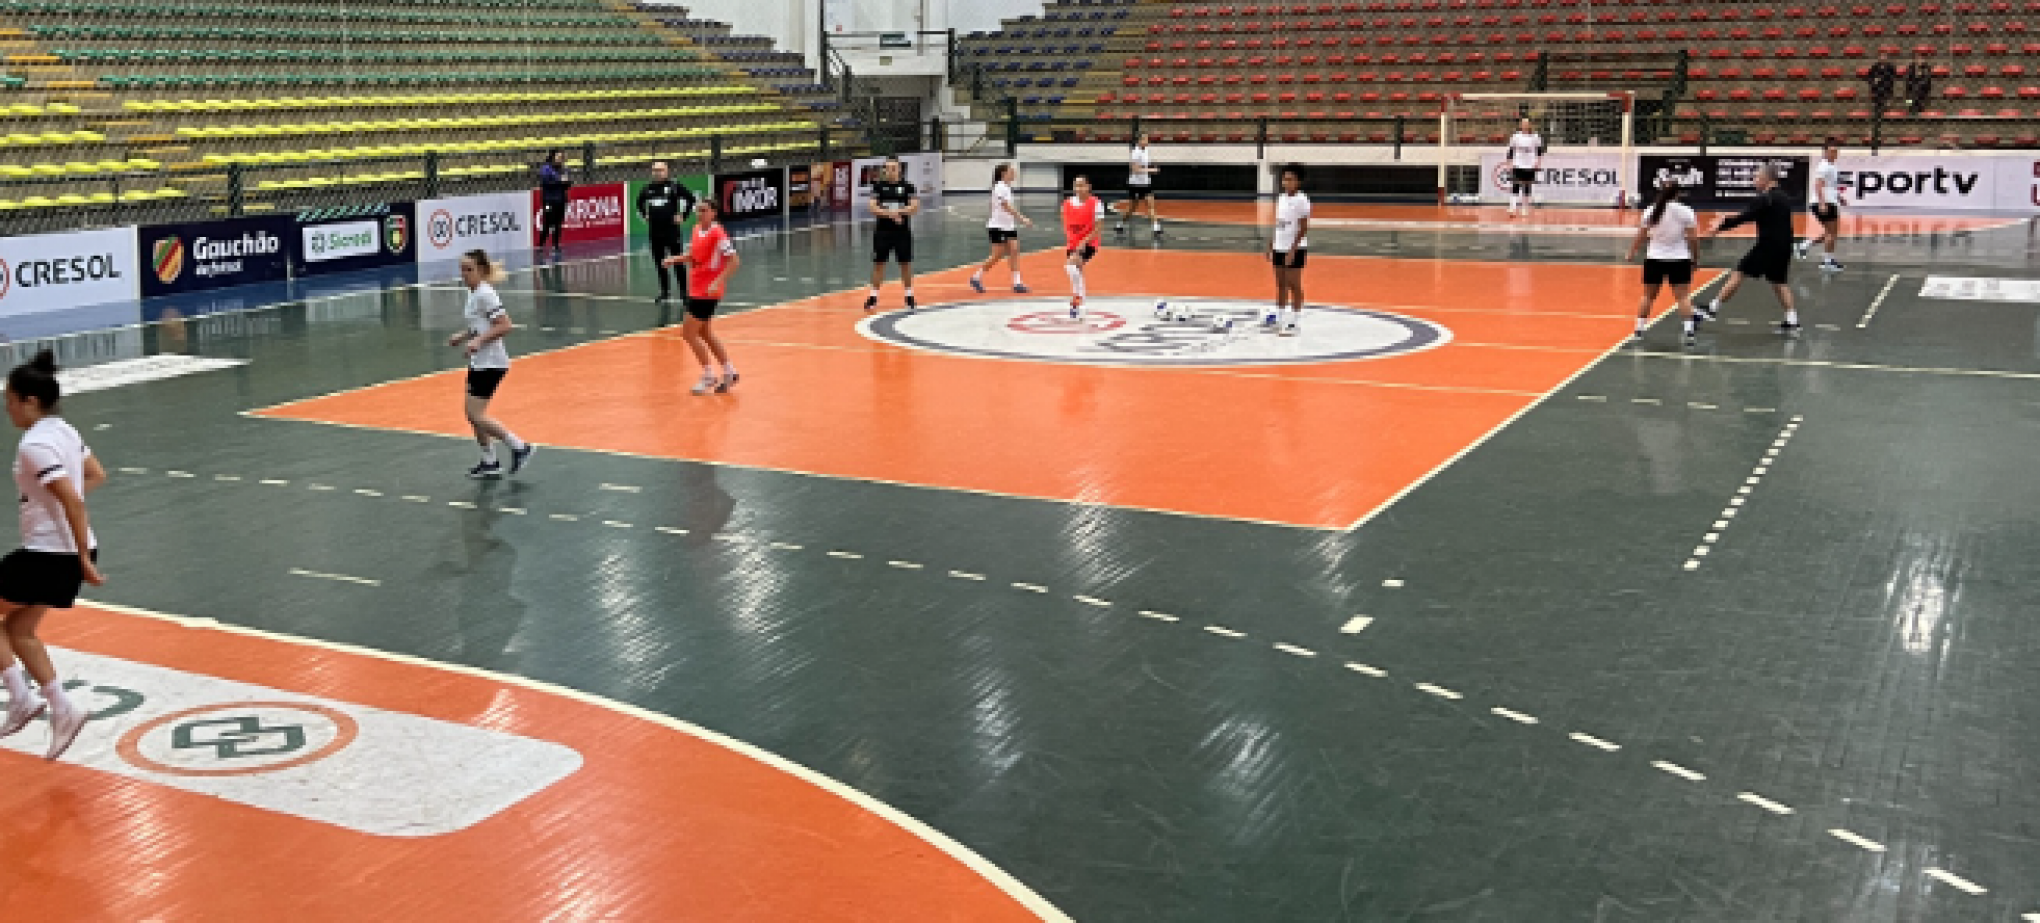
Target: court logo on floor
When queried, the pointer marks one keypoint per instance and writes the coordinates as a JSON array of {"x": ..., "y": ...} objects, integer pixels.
[{"x": 1128, "y": 331}]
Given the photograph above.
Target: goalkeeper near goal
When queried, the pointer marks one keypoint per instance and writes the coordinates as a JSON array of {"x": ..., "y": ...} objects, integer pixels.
[{"x": 1526, "y": 155}]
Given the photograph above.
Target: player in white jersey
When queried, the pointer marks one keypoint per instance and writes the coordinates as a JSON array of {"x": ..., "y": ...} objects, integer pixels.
[
  {"x": 1672, "y": 233},
  {"x": 1291, "y": 251},
  {"x": 1827, "y": 207},
  {"x": 1526, "y": 155},
  {"x": 1002, "y": 228},
  {"x": 488, "y": 364},
  {"x": 53, "y": 471},
  {"x": 1140, "y": 185}
]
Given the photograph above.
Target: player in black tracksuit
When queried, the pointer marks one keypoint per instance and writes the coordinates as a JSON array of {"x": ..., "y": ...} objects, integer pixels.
[
  {"x": 894, "y": 203},
  {"x": 665, "y": 205},
  {"x": 1770, "y": 259}
]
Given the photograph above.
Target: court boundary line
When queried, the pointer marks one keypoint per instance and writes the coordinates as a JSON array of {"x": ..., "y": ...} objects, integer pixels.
[
  {"x": 1519, "y": 414},
  {"x": 992, "y": 874}
]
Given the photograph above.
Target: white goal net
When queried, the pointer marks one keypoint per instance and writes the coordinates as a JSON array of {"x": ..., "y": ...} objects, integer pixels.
[{"x": 1589, "y": 145}]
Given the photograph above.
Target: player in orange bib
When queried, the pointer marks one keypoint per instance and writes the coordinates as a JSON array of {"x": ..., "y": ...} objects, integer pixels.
[
  {"x": 1083, "y": 219},
  {"x": 710, "y": 258}
]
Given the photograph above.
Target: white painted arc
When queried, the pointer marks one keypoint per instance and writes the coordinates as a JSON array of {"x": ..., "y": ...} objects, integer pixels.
[{"x": 998, "y": 877}]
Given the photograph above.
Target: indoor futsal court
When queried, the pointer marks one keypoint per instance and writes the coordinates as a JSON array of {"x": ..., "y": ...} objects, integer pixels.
[{"x": 1480, "y": 614}]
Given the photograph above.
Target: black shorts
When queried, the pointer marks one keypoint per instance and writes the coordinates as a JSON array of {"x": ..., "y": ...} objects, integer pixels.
[
  {"x": 41, "y": 578},
  {"x": 1000, "y": 236},
  {"x": 1827, "y": 214},
  {"x": 1281, "y": 259},
  {"x": 1677, "y": 272},
  {"x": 1523, "y": 176},
  {"x": 1087, "y": 253},
  {"x": 702, "y": 308},
  {"x": 892, "y": 242},
  {"x": 1771, "y": 264},
  {"x": 1140, "y": 192},
  {"x": 483, "y": 383}
]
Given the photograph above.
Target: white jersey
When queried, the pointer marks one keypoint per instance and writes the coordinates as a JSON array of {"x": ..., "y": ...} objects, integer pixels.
[
  {"x": 1524, "y": 149},
  {"x": 1827, "y": 179},
  {"x": 1668, "y": 239},
  {"x": 483, "y": 307},
  {"x": 51, "y": 449},
  {"x": 1290, "y": 213},
  {"x": 1002, "y": 199},
  {"x": 1140, "y": 159}
]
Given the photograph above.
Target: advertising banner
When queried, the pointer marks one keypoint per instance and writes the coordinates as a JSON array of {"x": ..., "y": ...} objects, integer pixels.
[
  {"x": 347, "y": 239},
  {"x": 2018, "y": 182},
  {"x": 50, "y": 271},
  {"x": 1720, "y": 180},
  {"x": 496, "y": 223},
  {"x": 639, "y": 230},
  {"x": 595, "y": 212},
  {"x": 800, "y": 187},
  {"x": 842, "y": 186},
  {"x": 925, "y": 172},
  {"x": 215, "y": 254},
  {"x": 1941, "y": 182},
  {"x": 751, "y": 194},
  {"x": 1579, "y": 179}
]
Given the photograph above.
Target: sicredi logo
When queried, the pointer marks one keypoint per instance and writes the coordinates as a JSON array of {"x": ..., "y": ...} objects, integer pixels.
[
  {"x": 340, "y": 241},
  {"x": 1125, "y": 331}
]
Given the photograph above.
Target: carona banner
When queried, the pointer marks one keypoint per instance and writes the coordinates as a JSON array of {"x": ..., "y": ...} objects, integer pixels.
[
  {"x": 347, "y": 239},
  {"x": 596, "y": 212},
  {"x": 214, "y": 254},
  {"x": 46, "y": 272}
]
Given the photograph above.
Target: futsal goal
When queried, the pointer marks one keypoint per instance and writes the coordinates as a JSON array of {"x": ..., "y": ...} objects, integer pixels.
[{"x": 1589, "y": 137}]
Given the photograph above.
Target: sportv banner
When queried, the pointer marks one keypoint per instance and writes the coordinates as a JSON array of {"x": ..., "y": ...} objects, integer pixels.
[
  {"x": 595, "y": 212},
  {"x": 496, "y": 223},
  {"x": 1941, "y": 182},
  {"x": 751, "y": 194},
  {"x": 1720, "y": 180},
  {"x": 343, "y": 240},
  {"x": 1588, "y": 179},
  {"x": 214, "y": 254},
  {"x": 46, "y": 272}
]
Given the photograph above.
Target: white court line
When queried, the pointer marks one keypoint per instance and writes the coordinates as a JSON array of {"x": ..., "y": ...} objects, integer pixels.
[
  {"x": 1224, "y": 632},
  {"x": 1297, "y": 651},
  {"x": 1439, "y": 691},
  {"x": 1877, "y": 303},
  {"x": 1514, "y": 715},
  {"x": 996, "y": 876},
  {"x": 1678, "y": 770},
  {"x": 1855, "y": 839},
  {"x": 1960, "y": 883},
  {"x": 1595, "y": 742},
  {"x": 1159, "y": 616},
  {"x": 341, "y": 578},
  {"x": 1763, "y": 802},
  {"x": 1356, "y": 625},
  {"x": 1365, "y": 670}
]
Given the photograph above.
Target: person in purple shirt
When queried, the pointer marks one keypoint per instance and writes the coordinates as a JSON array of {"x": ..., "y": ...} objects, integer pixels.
[{"x": 553, "y": 182}]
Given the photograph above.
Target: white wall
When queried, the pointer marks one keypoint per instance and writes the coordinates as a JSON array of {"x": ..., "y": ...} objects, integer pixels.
[
  {"x": 967, "y": 16},
  {"x": 794, "y": 22}
]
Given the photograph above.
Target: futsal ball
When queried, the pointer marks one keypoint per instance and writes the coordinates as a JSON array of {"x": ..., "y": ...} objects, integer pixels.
[{"x": 758, "y": 163}]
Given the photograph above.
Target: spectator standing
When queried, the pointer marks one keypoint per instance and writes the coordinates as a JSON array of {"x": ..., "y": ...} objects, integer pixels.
[
  {"x": 553, "y": 182},
  {"x": 1883, "y": 79},
  {"x": 1919, "y": 83}
]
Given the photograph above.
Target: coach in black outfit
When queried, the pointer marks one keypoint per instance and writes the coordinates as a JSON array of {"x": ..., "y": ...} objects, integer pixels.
[
  {"x": 894, "y": 201},
  {"x": 1883, "y": 79},
  {"x": 665, "y": 205},
  {"x": 1919, "y": 83},
  {"x": 1771, "y": 258}
]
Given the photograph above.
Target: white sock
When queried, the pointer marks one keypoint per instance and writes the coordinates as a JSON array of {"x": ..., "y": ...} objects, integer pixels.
[
  {"x": 53, "y": 693},
  {"x": 1016, "y": 279},
  {"x": 1158, "y": 224},
  {"x": 488, "y": 453},
  {"x": 1076, "y": 279},
  {"x": 910, "y": 291},
  {"x": 1689, "y": 324},
  {"x": 1791, "y": 317},
  {"x": 17, "y": 682},
  {"x": 978, "y": 276},
  {"x": 729, "y": 369},
  {"x": 1290, "y": 316},
  {"x": 511, "y": 440},
  {"x": 1641, "y": 323},
  {"x": 874, "y": 291}
]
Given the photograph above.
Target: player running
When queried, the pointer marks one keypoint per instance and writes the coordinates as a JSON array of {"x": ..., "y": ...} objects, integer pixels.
[
  {"x": 1140, "y": 185},
  {"x": 1526, "y": 155},
  {"x": 1827, "y": 207},
  {"x": 895, "y": 202},
  {"x": 1292, "y": 248},
  {"x": 1770, "y": 259},
  {"x": 1673, "y": 233},
  {"x": 488, "y": 364},
  {"x": 710, "y": 258},
  {"x": 1083, "y": 218},
  {"x": 1000, "y": 227}
]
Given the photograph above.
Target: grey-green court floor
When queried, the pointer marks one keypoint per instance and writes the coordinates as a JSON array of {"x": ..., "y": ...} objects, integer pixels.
[{"x": 1738, "y": 633}]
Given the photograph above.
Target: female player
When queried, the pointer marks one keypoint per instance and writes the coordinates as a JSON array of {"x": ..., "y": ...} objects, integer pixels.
[
  {"x": 1292, "y": 249},
  {"x": 999, "y": 227},
  {"x": 1673, "y": 233},
  {"x": 53, "y": 471},
  {"x": 1083, "y": 219},
  {"x": 710, "y": 258},
  {"x": 1140, "y": 185},
  {"x": 488, "y": 363}
]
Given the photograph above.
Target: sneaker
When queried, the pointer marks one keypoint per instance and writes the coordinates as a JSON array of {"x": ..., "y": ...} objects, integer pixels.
[
  {"x": 1076, "y": 307},
  {"x": 1801, "y": 248},
  {"x": 1020, "y": 289},
  {"x": 486, "y": 471},
  {"x": 977, "y": 284},
  {"x": 556, "y": 253},
  {"x": 1830, "y": 265},
  {"x": 1119, "y": 230},
  {"x": 708, "y": 384},
  {"x": 723, "y": 387},
  {"x": 1158, "y": 230},
  {"x": 1635, "y": 336},
  {"x": 1787, "y": 328},
  {"x": 21, "y": 711},
  {"x": 519, "y": 457},
  {"x": 1290, "y": 329},
  {"x": 64, "y": 727},
  {"x": 870, "y": 303},
  {"x": 912, "y": 307},
  {"x": 1707, "y": 310},
  {"x": 1690, "y": 339}
]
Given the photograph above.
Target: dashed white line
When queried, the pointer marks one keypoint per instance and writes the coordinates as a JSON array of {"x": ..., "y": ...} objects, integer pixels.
[
  {"x": 1760, "y": 410},
  {"x": 1093, "y": 601},
  {"x": 728, "y": 537},
  {"x": 1514, "y": 715},
  {"x": 564, "y": 517},
  {"x": 365, "y": 492},
  {"x": 1763, "y": 802},
  {"x": 1960, "y": 883},
  {"x": 341, "y": 578},
  {"x": 1030, "y": 587},
  {"x": 226, "y": 477},
  {"x": 621, "y": 488},
  {"x": 1365, "y": 670},
  {"x": 785, "y": 546},
  {"x": 669, "y": 530},
  {"x": 1439, "y": 691},
  {"x": 1877, "y": 302},
  {"x": 1595, "y": 742},
  {"x": 1678, "y": 770},
  {"x": 617, "y": 524},
  {"x": 1592, "y": 397},
  {"x": 1696, "y": 405},
  {"x": 512, "y": 510},
  {"x": 318, "y": 487},
  {"x": 1356, "y": 625},
  {"x": 274, "y": 482},
  {"x": 966, "y": 575},
  {"x": 1224, "y": 632},
  {"x": 1856, "y": 839},
  {"x": 417, "y": 498},
  {"x": 1391, "y": 583},
  {"x": 132, "y": 470},
  {"x": 180, "y": 474},
  {"x": 466, "y": 505},
  {"x": 906, "y": 565},
  {"x": 1158, "y": 616},
  {"x": 846, "y": 555},
  {"x": 1293, "y": 649}
]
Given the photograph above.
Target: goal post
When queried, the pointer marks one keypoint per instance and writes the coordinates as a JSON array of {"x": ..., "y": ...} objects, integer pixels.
[{"x": 1593, "y": 133}]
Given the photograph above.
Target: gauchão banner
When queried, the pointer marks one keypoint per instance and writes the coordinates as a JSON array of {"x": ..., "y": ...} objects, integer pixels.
[
  {"x": 346, "y": 239},
  {"x": 46, "y": 272},
  {"x": 214, "y": 254},
  {"x": 751, "y": 194},
  {"x": 1720, "y": 180}
]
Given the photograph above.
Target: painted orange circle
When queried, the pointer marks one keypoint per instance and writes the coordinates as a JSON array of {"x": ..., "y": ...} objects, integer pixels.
[{"x": 347, "y": 729}]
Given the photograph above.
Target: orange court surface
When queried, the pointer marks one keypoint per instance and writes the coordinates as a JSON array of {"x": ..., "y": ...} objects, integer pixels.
[{"x": 819, "y": 398}]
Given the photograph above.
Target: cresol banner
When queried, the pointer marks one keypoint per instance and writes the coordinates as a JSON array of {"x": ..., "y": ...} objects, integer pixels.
[
  {"x": 214, "y": 254},
  {"x": 347, "y": 239},
  {"x": 596, "y": 212},
  {"x": 751, "y": 194},
  {"x": 46, "y": 272},
  {"x": 1585, "y": 179},
  {"x": 497, "y": 223}
]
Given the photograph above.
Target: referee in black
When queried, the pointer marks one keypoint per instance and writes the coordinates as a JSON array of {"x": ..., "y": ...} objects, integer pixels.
[
  {"x": 894, "y": 202},
  {"x": 1771, "y": 258},
  {"x": 665, "y": 206}
]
